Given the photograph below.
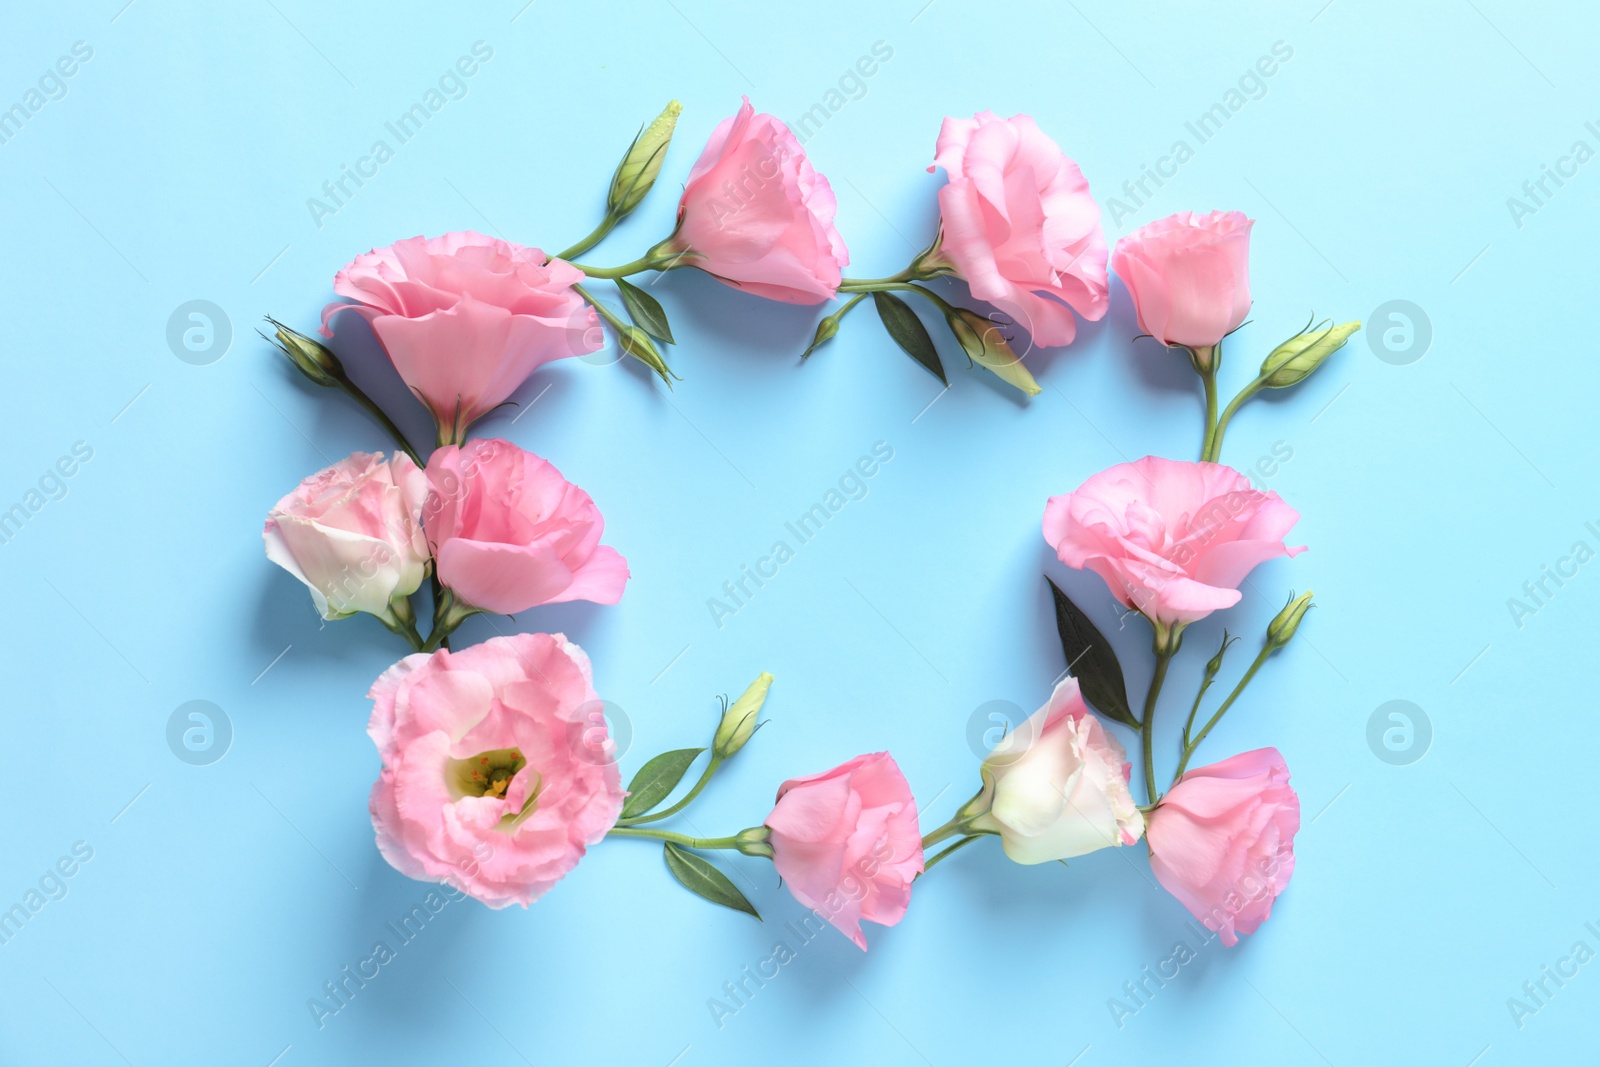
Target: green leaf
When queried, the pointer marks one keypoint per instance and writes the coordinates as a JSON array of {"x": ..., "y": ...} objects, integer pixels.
[
  {"x": 645, "y": 311},
  {"x": 699, "y": 877},
  {"x": 908, "y": 332},
  {"x": 1092, "y": 660},
  {"x": 657, "y": 779}
]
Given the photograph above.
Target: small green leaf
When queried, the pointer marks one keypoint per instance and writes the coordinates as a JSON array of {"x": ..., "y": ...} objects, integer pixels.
[
  {"x": 908, "y": 332},
  {"x": 645, "y": 311},
  {"x": 1092, "y": 660},
  {"x": 700, "y": 877},
  {"x": 657, "y": 779}
]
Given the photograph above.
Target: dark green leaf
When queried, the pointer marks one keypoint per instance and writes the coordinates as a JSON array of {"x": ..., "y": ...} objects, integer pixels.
[
  {"x": 698, "y": 876},
  {"x": 657, "y": 779},
  {"x": 644, "y": 311},
  {"x": 1092, "y": 660},
  {"x": 908, "y": 332}
]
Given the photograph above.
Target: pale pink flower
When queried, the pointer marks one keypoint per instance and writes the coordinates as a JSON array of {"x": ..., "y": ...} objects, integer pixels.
[
  {"x": 1019, "y": 224},
  {"x": 1189, "y": 276},
  {"x": 498, "y": 770},
  {"x": 509, "y": 533},
  {"x": 847, "y": 844},
  {"x": 466, "y": 318},
  {"x": 1058, "y": 784},
  {"x": 1222, "y": 841},
  {"x": 352, "y": 534},
  {"x": 755, "y": 214},
  {"x": 1172, "y": 539}
]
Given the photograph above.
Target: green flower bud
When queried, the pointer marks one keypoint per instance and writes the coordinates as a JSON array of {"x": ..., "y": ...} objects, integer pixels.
[
  {"x": 1214, "y": 665},
  {"x": 636, "y": 343},
  {"x": 986, "y": 346},
  {"x": 826, "y": 330},
  {"x": 312, "y": 359},
  {"x": 741, "y": 719},
  {"x": 1293, "y": 361},
  {"x": 639, "y": 167},
  {"x": 1282, "y": 628}
]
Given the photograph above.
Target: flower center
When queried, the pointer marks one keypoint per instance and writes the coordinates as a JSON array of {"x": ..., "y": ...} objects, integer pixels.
[{"x": 488, "y": 774}]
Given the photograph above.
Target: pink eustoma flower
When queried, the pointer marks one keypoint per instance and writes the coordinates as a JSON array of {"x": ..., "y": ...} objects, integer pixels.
[
  {"x": 498, "y": 770},
  {"x": 1019, "y": 224},
  {"x": 1222, "y": 840},
  {"x": 509, "y": 533},
  {"x": 352, "y": 534},
  {"x": 466, "y": 318},
  {"x": 755, "y": 214},
  {"x": 847, "y": 844},
  {"x": 1189, "y": 276},
  {"x": 1172, "y": 539}
]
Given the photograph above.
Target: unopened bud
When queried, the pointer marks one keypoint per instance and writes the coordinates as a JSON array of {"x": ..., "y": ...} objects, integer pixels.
[
  {"x": 639, "y": 167},
  {"x": 1282, "y": 628},
  {"x": 1293, "y": 361},
  {"x": 826, "y": 329},
  {"x": 312, "y": 359},
  {"x": 741, "y": 719},
  {"x": 636, "y": 343},
  {"x": 986, "y": 346}
]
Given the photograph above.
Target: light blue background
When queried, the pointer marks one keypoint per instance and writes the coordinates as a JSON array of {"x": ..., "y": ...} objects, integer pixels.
[{"x": 1378, "y": 162}]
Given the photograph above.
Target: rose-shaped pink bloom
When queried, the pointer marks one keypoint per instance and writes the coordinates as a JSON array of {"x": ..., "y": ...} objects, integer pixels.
[
  {"x": 756, "y": 215},
  {"x": 1189, "y": 275},
  {"x": 509, "y": 532},
  {"x": 1222, "y": 841},
  {"x": 498, "y": 771},
  {"x": 1019, "y": 224},
  {"x": 466, "y": 318},
  {"x": 1172, "y": 539},
  {"x": 1058, "y": 784},
  {"x": 846, "y": 842},
  {"x": 352, "y": 534}
]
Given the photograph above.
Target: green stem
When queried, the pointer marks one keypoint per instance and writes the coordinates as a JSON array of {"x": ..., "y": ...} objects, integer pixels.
[
  {"x": 355, "y": 393},
  {"x": 1189, "y": 749},
  {"x": 406, "y": 630},
  {"x": 648, "y": 261},
  {"x": 595, "y": 236},
  {"x": 847, "y": 285},
  {"x": 1147, "y": 723},
  {"x": 1213, "y": 447},
  {"x": 957, "y": 847},
  {"x": 731, "y": 841},
  {"x": 705, "y": 778},
  {"x": 1209, "y": 377},
  {"x": 884, "y": 286}
]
